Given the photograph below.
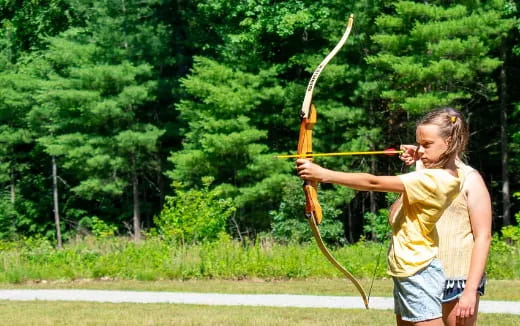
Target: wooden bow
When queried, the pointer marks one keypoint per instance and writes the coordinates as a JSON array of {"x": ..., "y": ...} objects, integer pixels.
[{"x": 313, "y": 210}]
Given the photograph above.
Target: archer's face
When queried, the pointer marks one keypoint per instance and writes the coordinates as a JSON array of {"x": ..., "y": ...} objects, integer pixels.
[{"x": 430, "y": 144}]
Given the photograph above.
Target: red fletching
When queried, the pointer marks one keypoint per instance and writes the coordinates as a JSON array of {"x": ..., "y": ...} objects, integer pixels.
[{"x": 391, "y": 151}]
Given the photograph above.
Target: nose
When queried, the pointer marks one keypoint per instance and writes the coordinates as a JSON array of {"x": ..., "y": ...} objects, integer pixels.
[{"x": 420, "y": 150}]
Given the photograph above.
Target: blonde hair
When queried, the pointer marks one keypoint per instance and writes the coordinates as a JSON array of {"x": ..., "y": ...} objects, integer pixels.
[{"x": 451, "y": 125}]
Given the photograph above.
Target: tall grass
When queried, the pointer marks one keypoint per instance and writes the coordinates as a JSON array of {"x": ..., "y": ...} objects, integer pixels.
[{"x": 154, "y": 259}]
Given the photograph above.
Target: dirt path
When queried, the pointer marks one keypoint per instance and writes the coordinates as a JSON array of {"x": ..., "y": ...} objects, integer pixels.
[{"x": 271, "y": 300}]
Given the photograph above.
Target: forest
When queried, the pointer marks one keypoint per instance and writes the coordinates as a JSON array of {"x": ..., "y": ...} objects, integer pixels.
[{"x": 138, "y": 117}]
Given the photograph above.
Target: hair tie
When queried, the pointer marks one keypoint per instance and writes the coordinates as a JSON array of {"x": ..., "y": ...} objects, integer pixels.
[{"x": 453, "y": 119}]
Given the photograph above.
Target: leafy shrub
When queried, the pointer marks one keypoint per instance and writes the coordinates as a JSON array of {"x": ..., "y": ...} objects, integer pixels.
[
  {"x": 290, "y": 225},
  {"x": 503, "y": 262},
  {"x": 102, "y": 229},
  {"x": 377, "y": 224},
  {"x": 99, "y": 228},
  {"x": 511, "y": 233},
  {"x": 154, "y": 259},
  {"x": 194, "y": 215}
]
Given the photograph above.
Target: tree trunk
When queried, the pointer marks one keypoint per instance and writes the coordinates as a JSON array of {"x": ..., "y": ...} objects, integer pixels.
[
  {"x": 12, "y": 185},
  {"x": 373, "y": 195},
  {"x": 506, "y": 201},
  {"x": 55, "y": 199},
  {"x": 349, "y": 223},
  {"x": 137, "y": 209}
]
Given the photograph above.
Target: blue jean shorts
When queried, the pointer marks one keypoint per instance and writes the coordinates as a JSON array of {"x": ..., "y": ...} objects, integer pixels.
[
  {"x": 453, "y": 288},
  {"x": 418, "y": 297}
]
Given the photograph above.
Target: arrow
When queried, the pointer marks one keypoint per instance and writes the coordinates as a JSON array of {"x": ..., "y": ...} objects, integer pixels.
[{"x": 389, "y": 152}]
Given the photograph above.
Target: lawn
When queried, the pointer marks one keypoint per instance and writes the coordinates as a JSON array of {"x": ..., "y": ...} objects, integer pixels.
[{"x": 83, "y": 313}]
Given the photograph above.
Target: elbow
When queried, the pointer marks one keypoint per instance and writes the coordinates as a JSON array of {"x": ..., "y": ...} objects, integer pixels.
[
  {"x": 483, "y": 238},
  {"x": 373, "y": 184}
]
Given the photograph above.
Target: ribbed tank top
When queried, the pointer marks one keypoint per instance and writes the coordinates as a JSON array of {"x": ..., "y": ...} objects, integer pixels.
[{"x": 454, "y": 229}]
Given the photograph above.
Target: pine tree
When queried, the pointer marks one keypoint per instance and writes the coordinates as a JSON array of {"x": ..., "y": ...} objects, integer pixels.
[{"x": 87, "y": 116}]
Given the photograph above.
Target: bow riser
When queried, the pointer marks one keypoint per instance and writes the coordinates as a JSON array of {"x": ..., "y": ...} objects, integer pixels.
[{"x": 312, "y": 205}]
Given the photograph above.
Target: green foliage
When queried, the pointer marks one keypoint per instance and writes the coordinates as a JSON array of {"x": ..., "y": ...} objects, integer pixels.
[
  {"x": 226, "y": 139},
  {"x": 26, "y": 23},
  {"x": 8, "y": 218},
  {"x": 511, "y": 233},
  {"x": 193, "y": 215},
  {"x": 115, "y": 89},
  {"x": 503, "y": 262},
  {"x": 376, "y": 224},
  {"x": 290, "y": 224},
  {"x": 35, "y": 258},
  {"x": 86, "y": 116},
  {"x": 101, "y": 229},
  {"x": 433, "y": 55}
]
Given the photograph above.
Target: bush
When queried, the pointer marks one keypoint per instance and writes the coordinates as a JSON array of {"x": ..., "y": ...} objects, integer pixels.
[
  {"x": 194, "y": 215},
  {"x": 511, "y": 233},
  {"x": 152, "y": 259},
  {"x": 377, "y": 225},
  {"x": 504, "y": 262},
  {"x": 290, "y": 225}
]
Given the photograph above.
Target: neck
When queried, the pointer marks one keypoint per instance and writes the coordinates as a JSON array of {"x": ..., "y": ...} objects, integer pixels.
[{"x": 451, "y": 167}]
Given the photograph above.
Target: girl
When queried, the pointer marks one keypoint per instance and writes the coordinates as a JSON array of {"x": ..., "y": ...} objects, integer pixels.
[
  {"x": 464, "y": 239},
  {"x": 425, "y": 194}
]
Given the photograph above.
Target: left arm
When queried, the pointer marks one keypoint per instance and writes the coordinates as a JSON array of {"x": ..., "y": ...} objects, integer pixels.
[
  {"x": 358, "y": 181},
  {"x": 479, "y": 207}
]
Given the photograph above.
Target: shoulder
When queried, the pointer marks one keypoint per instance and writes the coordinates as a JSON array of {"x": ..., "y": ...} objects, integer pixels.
[
  {"x": 473, "y": 181},
  {"x": 470, "y": 175},
  {"x": 437, "y": 175}
]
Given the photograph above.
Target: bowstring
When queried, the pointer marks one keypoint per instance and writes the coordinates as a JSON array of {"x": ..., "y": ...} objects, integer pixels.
[
  {"x": 378, "y": 261},
  {"x": 377, "y": 266}
]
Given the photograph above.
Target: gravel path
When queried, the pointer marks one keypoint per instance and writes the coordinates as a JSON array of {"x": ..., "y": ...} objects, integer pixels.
[{"x": 271, "y": 300}]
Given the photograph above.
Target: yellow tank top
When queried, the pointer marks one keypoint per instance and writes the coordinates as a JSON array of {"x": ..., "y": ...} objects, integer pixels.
[{"x": 455, "y": 236}]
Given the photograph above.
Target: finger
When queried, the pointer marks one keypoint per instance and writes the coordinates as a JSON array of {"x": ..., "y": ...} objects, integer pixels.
[
  {"x": 471, "y": 311},
  {"x": 463, "y": 314},
  {"x": 302, "y": 167},
  {"x": 407, "y": 148},
  {"x": 305, "y": 177}
]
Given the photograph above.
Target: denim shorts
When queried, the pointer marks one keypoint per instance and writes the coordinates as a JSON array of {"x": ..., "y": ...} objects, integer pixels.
[
  {"x": 418, "y": 297},
  {"x": 453, "y": 288}
]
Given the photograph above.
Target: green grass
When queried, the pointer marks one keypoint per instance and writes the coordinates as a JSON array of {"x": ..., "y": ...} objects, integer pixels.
[
  {"x": 81, "y": 313},
  {"x": 224, "y": 267}
]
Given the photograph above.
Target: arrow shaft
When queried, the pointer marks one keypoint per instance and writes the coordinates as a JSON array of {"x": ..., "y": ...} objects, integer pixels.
[{"x": 339, "y": 154}]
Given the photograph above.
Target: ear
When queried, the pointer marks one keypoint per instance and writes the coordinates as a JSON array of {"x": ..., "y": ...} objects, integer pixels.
[{"x": 448, "y": 140}]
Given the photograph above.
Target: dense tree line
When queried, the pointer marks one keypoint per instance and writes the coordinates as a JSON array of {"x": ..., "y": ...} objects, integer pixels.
[{"x": 107, "y": 106}]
